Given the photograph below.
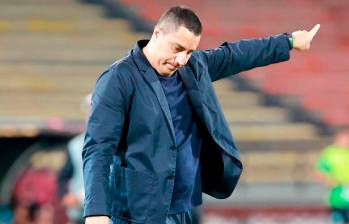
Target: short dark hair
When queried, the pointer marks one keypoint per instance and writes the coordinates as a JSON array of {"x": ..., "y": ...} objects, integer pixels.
[{"x": 182, "y": 15}]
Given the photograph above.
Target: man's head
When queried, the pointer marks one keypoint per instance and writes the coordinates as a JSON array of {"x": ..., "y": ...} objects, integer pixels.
[{"x": 175, "y": 36}]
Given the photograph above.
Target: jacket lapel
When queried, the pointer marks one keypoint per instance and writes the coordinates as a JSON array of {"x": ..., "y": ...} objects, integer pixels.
[
  {"x": 155, "y": 84},
  {"x": 193, "y": 91},
  {"x": 151, "y": 78}
]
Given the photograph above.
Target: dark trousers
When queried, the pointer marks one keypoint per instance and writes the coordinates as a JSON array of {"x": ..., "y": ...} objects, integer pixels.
[{"x": 180, "y": 218}]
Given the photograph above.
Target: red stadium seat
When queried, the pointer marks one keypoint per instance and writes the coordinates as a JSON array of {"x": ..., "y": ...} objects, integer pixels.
[{"x": 316, "y": 77}]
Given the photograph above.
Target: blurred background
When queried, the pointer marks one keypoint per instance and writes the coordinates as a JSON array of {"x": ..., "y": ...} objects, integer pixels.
[{"x": 282, "y": 116}]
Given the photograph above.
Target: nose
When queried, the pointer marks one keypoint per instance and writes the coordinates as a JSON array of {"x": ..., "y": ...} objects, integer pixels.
[{"x": 182, "y": 58}]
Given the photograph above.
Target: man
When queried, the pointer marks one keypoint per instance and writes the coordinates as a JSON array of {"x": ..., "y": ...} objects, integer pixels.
[
  {"x": 333, "y": 167},
  {"x": 155, "y": 113}
]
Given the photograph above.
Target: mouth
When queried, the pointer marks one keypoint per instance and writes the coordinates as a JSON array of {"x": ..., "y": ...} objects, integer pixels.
[{"x": 172, "y": 66}]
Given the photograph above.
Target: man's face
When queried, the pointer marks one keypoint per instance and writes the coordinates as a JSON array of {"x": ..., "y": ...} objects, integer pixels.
[{"x": 173, "y": 49}]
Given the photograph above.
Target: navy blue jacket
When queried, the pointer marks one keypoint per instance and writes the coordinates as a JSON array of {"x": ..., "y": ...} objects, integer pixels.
[{"x": 131, "y": 120}]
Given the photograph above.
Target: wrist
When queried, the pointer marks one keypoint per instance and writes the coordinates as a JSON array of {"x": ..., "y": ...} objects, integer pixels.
[
  {"x": 290, "y": 40},
  {"x": 97, "y": 220}
]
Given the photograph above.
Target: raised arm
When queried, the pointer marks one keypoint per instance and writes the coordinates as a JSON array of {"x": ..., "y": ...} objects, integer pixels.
[
  {"x": 243, "y": 55},
  {"x": 103, "y": 134}
]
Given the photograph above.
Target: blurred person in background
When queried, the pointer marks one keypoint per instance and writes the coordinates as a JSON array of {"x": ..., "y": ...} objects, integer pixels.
[
  {"x": 156, "y": 112},
  {"x": 39, "y": 214},
  {"x": 20, "y": 211},
  {"x": 34, "y": 196},
  {"x": 333, "y": 167},
  {"x": 30, "y": 213},
  {"x": 70, "y": 178}
]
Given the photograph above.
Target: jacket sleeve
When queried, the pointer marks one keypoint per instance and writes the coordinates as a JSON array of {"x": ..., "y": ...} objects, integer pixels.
[
  {"x": 243, "y": 55},
  {"x": 102, "y": 137}
]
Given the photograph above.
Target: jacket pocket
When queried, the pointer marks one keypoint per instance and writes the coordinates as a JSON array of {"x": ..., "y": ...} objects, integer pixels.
[{"x": 132, "y": 193}]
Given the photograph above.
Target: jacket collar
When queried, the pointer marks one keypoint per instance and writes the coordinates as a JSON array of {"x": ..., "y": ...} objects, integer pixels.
[{"x": 139, "y": 57}]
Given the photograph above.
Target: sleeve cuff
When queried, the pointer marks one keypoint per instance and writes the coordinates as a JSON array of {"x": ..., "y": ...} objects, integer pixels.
[
  {"x": 96, "y": 211},
  {"x": 290, "y": 40}
]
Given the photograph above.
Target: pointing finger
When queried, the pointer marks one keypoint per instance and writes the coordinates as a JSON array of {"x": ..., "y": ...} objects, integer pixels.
[{"x": 314, "y": 30}]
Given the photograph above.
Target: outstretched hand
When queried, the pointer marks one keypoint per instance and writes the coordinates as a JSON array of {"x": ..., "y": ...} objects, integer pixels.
[{"x": 303, "y": 38}]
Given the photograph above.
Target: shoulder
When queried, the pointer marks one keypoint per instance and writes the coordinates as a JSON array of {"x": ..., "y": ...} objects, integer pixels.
[
  {"x": 120, "y": 73},
  {"x": 121, "y": 69},
  {"x": 198, "y": 57},
  {"x": 124, "y": 65},
  {"x": 198, "y": 61}
]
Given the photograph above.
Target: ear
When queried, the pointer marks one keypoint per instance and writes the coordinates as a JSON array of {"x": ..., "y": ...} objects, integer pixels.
[{"x": 157, "y": 31}]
